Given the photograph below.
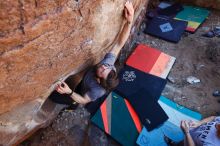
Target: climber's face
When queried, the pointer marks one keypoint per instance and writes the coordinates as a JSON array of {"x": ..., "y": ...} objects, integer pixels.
[{"x": 102, "y": 71}]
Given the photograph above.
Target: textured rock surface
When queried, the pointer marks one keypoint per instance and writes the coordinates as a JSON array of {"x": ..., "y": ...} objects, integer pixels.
[{"x": 42, "y": 42}]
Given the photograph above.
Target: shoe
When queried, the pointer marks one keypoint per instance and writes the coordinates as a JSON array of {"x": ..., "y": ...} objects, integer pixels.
[
  {"x": 209, "y": 34},
  {"x": 216, "y": 93}
]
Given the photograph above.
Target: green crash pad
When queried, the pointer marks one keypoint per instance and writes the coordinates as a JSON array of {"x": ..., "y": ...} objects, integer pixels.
[
  {"x": 194, "y": 16},
  {"x": 117, "y": 118}
]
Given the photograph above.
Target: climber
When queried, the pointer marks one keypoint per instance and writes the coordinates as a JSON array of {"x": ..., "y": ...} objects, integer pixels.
[{"x": 103, "y": 77}]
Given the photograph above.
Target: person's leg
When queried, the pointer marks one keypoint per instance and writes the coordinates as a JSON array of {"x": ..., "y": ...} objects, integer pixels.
[
  {"x": 63, "y": 99},
  {"x": 60, "y": 98},
  {"x": 93, "y": 106},
  {"x": 78, "y": 88}
]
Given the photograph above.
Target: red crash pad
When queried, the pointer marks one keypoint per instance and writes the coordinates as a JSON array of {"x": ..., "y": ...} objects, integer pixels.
[{"x": 151, "y": 60}]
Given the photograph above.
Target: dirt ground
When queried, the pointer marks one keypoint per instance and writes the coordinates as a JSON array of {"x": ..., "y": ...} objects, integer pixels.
[{"x": 195, "y": 56}]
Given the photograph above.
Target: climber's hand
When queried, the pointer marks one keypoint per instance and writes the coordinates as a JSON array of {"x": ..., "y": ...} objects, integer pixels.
[
  {"x": 185, "y": 126},
  {"x": 129, "y": 11},
  {"x": 63, "y": 88}
]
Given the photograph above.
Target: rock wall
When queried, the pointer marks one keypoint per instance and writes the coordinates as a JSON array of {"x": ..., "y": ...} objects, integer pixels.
[
  {"x": 45, "y": 41},
  {"x": 41, "y": 41}
]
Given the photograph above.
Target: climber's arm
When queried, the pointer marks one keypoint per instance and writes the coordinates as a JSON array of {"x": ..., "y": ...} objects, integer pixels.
[{"x": 124, "y": 34}]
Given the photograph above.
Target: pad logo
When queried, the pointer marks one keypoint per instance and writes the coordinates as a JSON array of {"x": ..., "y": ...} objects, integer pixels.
[
  {"x": 129, "y": 76},
  {"x": 115, "y": 96},
  {"x": 144, "y": 140},
  {"x": 166, "y": 27}
]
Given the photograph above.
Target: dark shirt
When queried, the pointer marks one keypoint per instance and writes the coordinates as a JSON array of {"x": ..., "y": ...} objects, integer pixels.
[{"x": 90, "y": 85}]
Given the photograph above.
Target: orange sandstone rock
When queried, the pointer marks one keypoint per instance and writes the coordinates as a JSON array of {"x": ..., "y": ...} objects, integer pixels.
[{"x": 42, "y": 42}]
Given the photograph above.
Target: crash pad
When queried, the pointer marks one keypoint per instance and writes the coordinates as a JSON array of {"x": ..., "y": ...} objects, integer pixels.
[
  {"x": 143, "y": 90},
  {"x": 147, "y": 110},
  {"x": 156, "y": 137},
  {"x": 166, "y": 28},
  {"x": 195, "y": 16},
  {"x": 171, "y": 128},
  {"x": 132, "y": 81},
  {"x": 176, "y": 112},
  {"x": 151, "y": 60},
  {"x": 117, "y": 118}
]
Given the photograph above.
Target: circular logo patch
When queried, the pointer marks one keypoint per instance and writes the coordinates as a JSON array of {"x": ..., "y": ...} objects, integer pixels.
[{"x": 129, "y": 76}]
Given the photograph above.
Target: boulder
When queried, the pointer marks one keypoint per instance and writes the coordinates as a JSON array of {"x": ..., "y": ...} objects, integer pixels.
[{"x": 45, "y": 41}]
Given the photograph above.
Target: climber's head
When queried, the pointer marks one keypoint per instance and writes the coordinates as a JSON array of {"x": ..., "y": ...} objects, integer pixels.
[{"x": 107, "y": 75}]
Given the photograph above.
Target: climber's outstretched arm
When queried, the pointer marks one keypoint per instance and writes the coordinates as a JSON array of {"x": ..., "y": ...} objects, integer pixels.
[{"x": 125, "y": 32}]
